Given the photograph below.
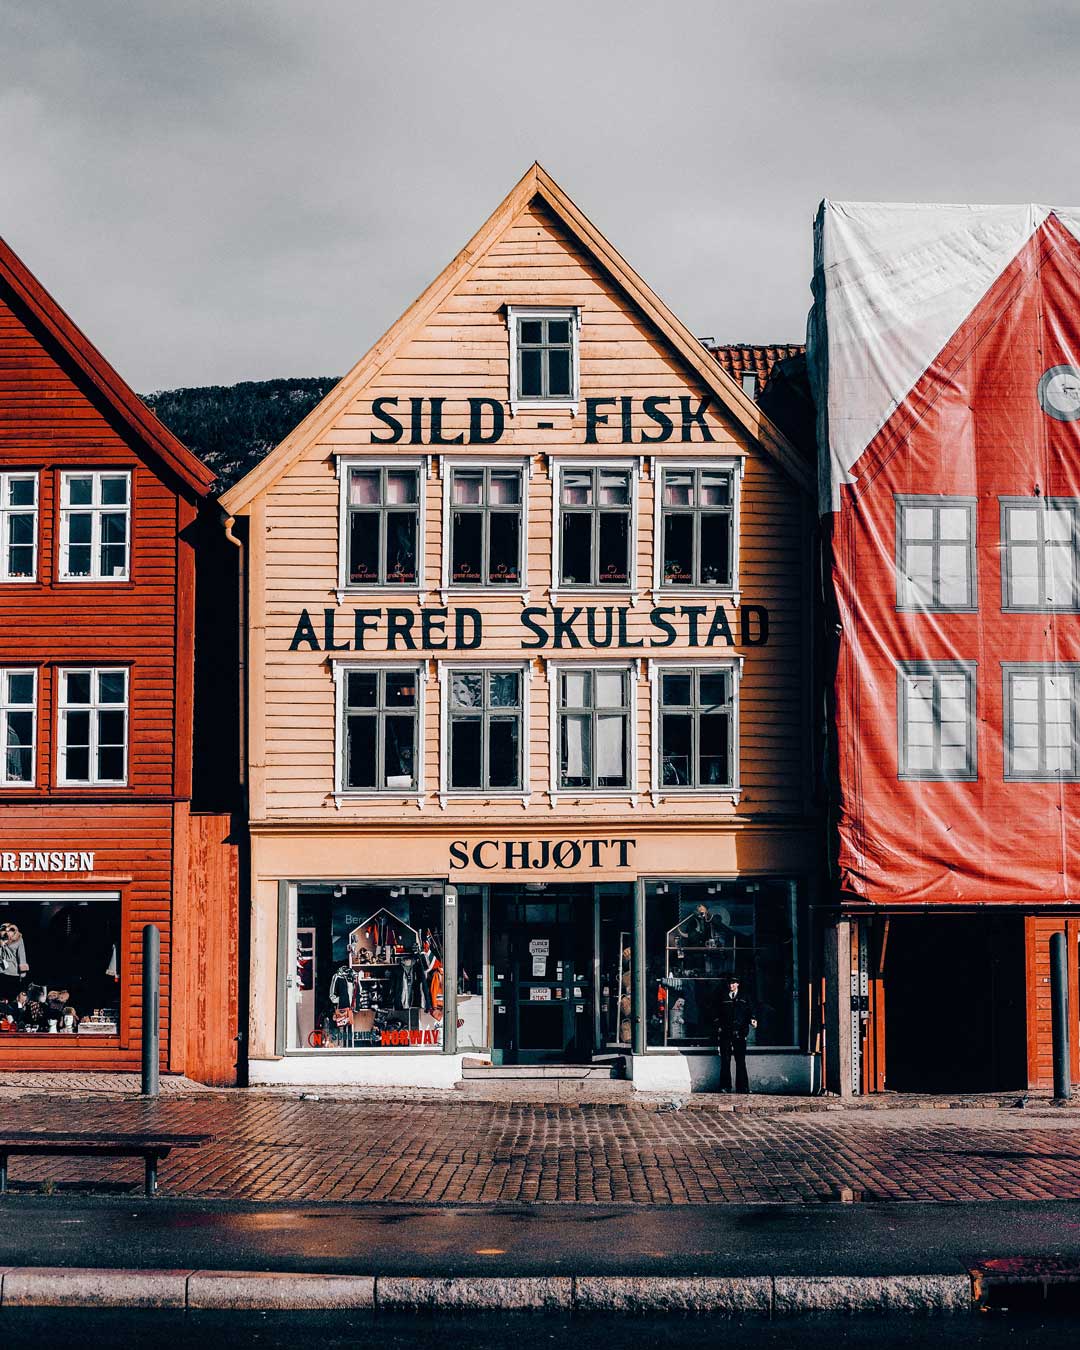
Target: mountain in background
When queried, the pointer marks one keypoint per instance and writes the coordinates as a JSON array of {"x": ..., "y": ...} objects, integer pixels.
[{"x": 231, "y": 427}]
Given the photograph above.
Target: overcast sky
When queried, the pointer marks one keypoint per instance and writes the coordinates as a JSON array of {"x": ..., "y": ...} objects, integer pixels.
[{"x": 219, "y": 190}]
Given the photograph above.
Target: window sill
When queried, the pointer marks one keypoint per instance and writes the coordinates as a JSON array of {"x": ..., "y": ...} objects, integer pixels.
[
  {"x": 94, "y": 581},
  {"x": 659, "y": 594},
  {"x": 701, "y": 794},
  {"x": 938, "y": 609},
  {"x": 519, "y": 405},
  {"x": 454, "y": 591},
  {"x": 519, "y": 795},
  {"x": 403, "y": 798}
]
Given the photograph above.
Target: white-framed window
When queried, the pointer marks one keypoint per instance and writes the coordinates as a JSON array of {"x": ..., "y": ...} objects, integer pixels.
[
  {"x": 935, "y": 553},
  {"x": 594, "y": 709},
  {"x": 1042, "y": 720},
  {"x": 595, "y": 537},
  {"x": 936, "y": 719},
  {"x": 485, "y": 524},
  {"x": 18, "y": 726},
  {"x": 695, "y": 727},
  {"x": 380, "y": 718},
  {"x": 696, "y": 525},
  {"x": 95, "y": 525},
  {"x": 544, "y": 360},
  {"x": 1040, "y": 568},
  {"x": 382, "y": 523},
  {"x": 92, "y": 704},
  {"x": 18, "y": 526},
  {"x": 485, "y": 728}
]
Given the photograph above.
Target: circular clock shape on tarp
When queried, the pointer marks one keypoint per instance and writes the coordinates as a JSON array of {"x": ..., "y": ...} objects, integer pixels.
[{"x": 1059, "y": 393}]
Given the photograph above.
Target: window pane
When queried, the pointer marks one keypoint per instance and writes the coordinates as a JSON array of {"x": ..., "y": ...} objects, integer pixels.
[
  {"x": 77, "y": 686},
  {"x": 559, "y": 374},
  {"x": 21, "y": 561},
  {"x": 79, "y": 560},
  {"x": 576, "y": 559},
  {"x": 1059, "y": 575},
  {"x": 676, "y": 741},
  {"x": 110, "y": 766},
  {"x": 468, "y": 487},
  {"x": 1022, "y": 523},
  {"x": 363, "y": 548},
  {"x": 575, "y": 689},
  {"x": 558, "y": 332},
  {"x": 530, "y": 383},
  {"x": 715, "y": 688},
  {"x": 954, "y": 758},
  {"x": 610, "y": 689},
  {"x": 531, "y": 330},
  {"x": 953, "y": 568},
  {"x": 953, "y": 523},
  {"x": 576, "y": 488},
  {"x": 679, "y": 550},
  {"x": 504, "y": 548},
  {"x": 400, "y": 689},
  {"x": 678, "y": 487},
  {"x": 714, "y": 770},
  {"x": 676, "y": 690},
  {"x": 465, "y": 743},
  {"x": 77, "y": 729},
  {"x": 465, "y": 562},
  {"x": 80, "y": 528},
  {"x": 400, "y": 546},
  {"x": 114, "y": 491},
  {"x": 505, "y": 489},
  {"x": 20, "y": 687},
  {"x": 467, "y": 689},
  {"x": 610, "y": 751},
  {"x": 1023, "y": 564},
  {"x": 362, "y": 689},
  {"x": 715, "y": 489},
  {"x": 111, "y": 686},
  {"x": 576, "y": 751},
  {"x": 1059, "y": 524},
  {"x": 22, "y": 491},
  {"x": 360, "y": 753},
  {"x": 716, "y": 550},
  {"x": 614, "y": 488},
  {"x": 918, "y": 522},
  {"x": 503, "y": 752},
  {"x": 78, "y": 763},
  {"x": 20, "y": 728},
  {"x": 110, "y": 728},
  {"x": 364, "y": 487},
  {"x": 504, "y": 689},
  {"x": 21, "y": 528},
  {"x": 400, "y": 487},
  {"x": 80, "y": 491},
  {"x": 614, "y": 548},
  {"x": 400, "y": 734}
]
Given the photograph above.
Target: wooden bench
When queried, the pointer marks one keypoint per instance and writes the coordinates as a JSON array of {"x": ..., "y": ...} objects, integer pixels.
[{"x": 96, "y": 1143}]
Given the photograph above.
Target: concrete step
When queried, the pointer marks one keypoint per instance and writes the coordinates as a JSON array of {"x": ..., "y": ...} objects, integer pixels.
[{"x": 481, "y": 1070}]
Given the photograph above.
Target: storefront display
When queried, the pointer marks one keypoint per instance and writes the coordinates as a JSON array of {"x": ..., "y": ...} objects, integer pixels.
[{"x": 59, "y": 965}]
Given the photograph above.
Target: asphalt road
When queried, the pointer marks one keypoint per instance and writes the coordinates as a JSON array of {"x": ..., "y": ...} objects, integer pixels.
[{"x": 856, "y": 1239}]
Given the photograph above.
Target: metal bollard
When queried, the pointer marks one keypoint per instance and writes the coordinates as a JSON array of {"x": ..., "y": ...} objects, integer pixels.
[
  {"x": 151, "y": 1008},
  {"x": 1059, "y": 1014}
]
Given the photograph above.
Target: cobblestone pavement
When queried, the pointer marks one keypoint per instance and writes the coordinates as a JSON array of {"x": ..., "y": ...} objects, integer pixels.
[{"x": 276, "y": 1148}]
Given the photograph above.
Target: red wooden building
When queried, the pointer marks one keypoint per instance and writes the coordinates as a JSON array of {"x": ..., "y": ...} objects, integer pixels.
[
  {"x": 946, "y": 353},
  {"x": 100, "y": 507}
]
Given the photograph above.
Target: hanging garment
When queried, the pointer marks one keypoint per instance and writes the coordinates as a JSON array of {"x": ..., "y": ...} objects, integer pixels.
[{"x": 343, "y": 988}]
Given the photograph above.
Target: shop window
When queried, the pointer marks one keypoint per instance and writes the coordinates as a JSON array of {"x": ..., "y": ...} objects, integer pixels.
[
  {"x": 701, "y": 934},
  {"x": 95, "y": 519},
  {"x": 472, "y": 1028},
  {"x": 383, "y": 525},
  {"x": 485, "y": 721},
  {"x": 93, "y": 726},
  {"x": 59, "y": 965},
  {"x": 18, "y": 723},
  {"x": 543, "y": 355},
  {"x": 1042, "y": 735},
  {"x": 697, "y": 526},
  {"x": 486, "y": 526},
  {"x": 381, "y": 729},
  {"x": 935, "y": 553},
  {"x": 937, "y": 720},
  {"x": 368, "y": 968},
  {"x": 594, "y": 729},
  {"x": 1039, "y": 569},
  {"x": 697, "y": 728},
  {"x": 595, "y": 534},
  {"x": 18, "y": 526}
]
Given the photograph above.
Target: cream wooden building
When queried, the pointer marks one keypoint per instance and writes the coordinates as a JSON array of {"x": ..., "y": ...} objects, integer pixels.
[{"x": 527, "y": 673}]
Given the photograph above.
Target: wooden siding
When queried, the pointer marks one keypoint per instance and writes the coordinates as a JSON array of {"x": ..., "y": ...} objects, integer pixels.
[
  {"x": 463, "y": 350},
  {"x": 1038, "y": 931}
]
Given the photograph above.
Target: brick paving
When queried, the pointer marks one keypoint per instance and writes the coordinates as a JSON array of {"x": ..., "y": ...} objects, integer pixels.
[{"x": 419, "y": 1151}]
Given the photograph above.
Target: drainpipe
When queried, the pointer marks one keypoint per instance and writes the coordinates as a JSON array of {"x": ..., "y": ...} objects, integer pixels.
[{"x": 230, "y": 521}]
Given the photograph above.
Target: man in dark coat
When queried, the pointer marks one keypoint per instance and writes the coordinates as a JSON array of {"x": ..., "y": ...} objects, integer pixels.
[{"x": 734, "y": 1018}]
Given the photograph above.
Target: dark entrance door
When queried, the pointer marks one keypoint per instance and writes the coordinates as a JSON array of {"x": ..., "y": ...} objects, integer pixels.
[{"x": 543, "y": 965}]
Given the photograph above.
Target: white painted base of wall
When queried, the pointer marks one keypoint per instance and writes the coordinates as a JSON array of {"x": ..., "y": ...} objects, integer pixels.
[
  {"x": 394, "y": 1070},
  {"x": 776, "y": 1073}
]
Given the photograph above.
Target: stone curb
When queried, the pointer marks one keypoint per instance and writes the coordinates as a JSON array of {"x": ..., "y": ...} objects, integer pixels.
[{"x": 249, "y": 1291}]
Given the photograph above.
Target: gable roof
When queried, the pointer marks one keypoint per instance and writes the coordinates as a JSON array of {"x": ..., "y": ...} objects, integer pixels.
[
  {"x": 536, "y": 183},
  {"x": 58, "y": 326}
]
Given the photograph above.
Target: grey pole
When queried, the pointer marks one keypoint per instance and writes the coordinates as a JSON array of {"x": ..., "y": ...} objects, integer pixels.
[
  {"x": 1059, "y": 1012},
  {"x": 151, "y": 1008}
]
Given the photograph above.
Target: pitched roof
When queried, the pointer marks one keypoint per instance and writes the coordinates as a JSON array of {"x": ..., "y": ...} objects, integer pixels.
[
  {"x": 745, "y": 358},
  {"x": 536, "y": 183},
  {"x": 29, "y": 293}
]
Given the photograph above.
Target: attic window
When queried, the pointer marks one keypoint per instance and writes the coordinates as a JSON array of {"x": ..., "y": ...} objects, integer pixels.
[
  {"x": 749, "y": 384},
  {"x": 543, "y": 357}
]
